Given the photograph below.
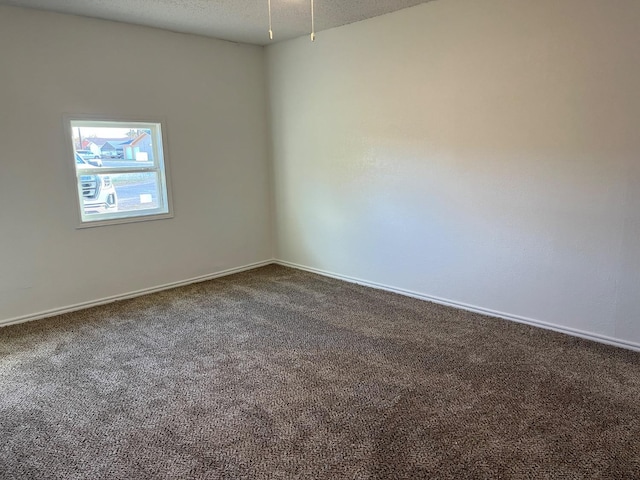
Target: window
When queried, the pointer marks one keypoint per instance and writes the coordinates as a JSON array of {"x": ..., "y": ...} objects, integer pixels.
[{"x": 120, "y": 169}]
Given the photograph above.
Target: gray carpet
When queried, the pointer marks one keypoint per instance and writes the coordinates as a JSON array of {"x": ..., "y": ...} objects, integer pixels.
[{"x": 281, "y": 374}]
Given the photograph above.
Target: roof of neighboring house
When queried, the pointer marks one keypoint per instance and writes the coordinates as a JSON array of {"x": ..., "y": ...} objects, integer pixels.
[
  {"x": 113, "y": 141},
  {"x": 134, "y": 141},
  {"x": 139, "y": 138}
]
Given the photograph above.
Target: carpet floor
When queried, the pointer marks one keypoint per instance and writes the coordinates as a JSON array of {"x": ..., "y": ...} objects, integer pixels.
[{"x": 277, "y": 373}]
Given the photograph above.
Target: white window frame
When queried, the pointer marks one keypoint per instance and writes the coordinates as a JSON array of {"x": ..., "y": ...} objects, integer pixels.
[{"x": 160, "y": 167}]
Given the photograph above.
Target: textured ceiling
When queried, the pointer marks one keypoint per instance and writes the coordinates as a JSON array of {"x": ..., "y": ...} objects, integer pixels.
[{"x": 244, "y": 21}]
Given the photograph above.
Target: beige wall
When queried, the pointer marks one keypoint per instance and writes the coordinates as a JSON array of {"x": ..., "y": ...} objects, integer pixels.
[
  {"x": 484, "y": 152},
  {"x": 211, "y": 94}
]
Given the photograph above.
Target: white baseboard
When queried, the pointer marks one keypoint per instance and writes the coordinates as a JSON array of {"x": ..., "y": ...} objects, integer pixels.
[
  {"x": 442, "y": 301},
  {"x": 124, "y": 296},
  {"x": 471, "y": 308}
]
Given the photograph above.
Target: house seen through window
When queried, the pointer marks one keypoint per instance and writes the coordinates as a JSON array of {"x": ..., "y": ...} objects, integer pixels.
[{"x": 121, "y": 172}]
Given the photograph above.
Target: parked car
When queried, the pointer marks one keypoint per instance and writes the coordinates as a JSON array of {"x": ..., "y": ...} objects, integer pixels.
[
  {"x": 113, "y": 153},
  {"x": 98, "y": 193},
  {"x": 90, "y": 157}
]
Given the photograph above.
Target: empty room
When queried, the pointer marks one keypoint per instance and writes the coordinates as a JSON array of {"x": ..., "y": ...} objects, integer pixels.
[{"x": 317, "y": 239}]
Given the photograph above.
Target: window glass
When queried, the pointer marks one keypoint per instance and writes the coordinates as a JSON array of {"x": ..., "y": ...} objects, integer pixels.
[{"x": 121, "y": 172}]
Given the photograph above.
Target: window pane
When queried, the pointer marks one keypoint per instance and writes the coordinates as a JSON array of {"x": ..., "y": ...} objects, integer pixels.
[{"x": 114, "y": 145}]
